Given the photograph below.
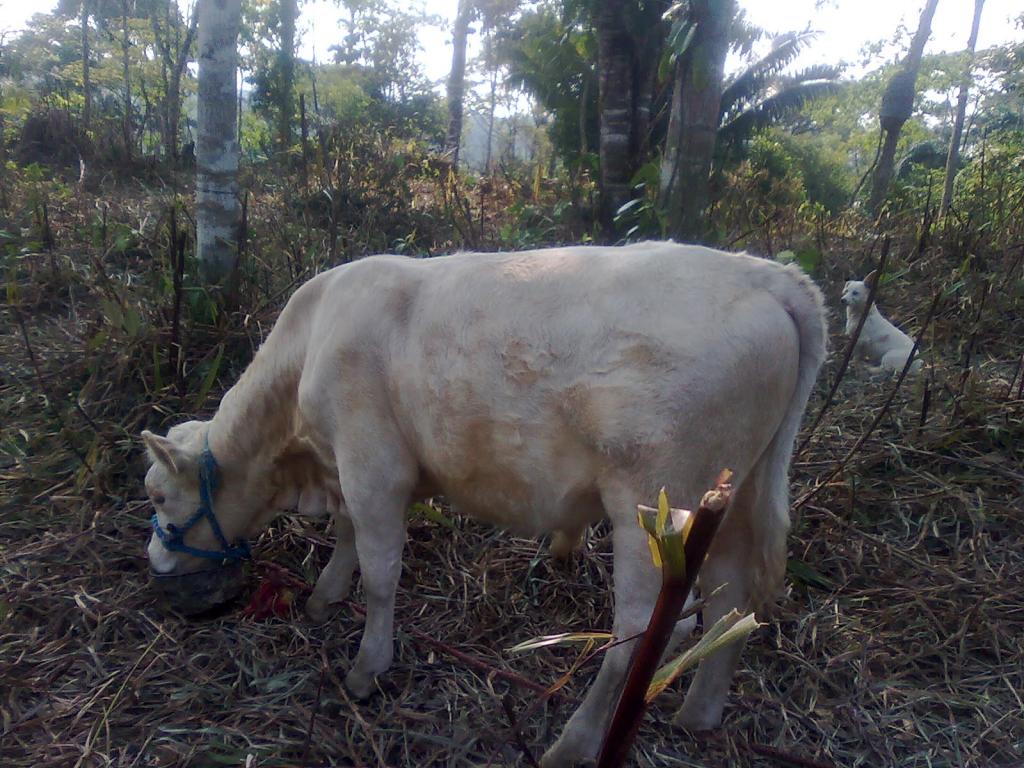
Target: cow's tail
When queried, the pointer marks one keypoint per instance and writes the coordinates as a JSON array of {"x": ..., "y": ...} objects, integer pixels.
[{"x": 804, "y": 303}]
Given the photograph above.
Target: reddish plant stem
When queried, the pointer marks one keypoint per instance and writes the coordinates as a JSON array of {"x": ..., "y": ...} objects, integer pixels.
[{"x": 647, "y": 655}]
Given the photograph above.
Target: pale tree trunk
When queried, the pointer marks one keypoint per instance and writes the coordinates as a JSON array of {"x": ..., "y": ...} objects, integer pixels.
[
  {"x": 457, "y": 80},
  {"x": 86, "y": 84},
  {"x": 217, "y": 151},
  {"x": 286, "y": 107},
  {"x": 898, "y": 106},
  {"x": 685, "y": 184},
  {"x": 953, "y": 157}
]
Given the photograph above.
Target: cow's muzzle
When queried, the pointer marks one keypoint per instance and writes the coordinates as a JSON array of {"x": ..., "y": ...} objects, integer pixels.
[{"x": 199, "y": 592}]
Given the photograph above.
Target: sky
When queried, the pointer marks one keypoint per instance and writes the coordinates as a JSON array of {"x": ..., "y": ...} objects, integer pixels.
[{"x": 845, "y": 25}]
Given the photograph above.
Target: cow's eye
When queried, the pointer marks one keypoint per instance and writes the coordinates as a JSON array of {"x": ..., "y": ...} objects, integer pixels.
[{"x": 158, "y": 500}]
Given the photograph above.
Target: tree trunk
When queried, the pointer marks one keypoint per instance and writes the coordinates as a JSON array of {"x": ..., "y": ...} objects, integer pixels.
[
  {"x": 898, "y": 106},
  {"x": 286, "y": 107},
  {"x": 126, "y": 126},
  {"x": 629, "y": 38},
  {"x": 217, "y": 151},
  {"x": 86, "y": 84},
  {"x": 615, "y": 94},
  {"x": 457, "y": 80},
  {"x": 584, "y": 100},
  {"x": 490, "y": 121},
  {"x": 953, "y": 157},
  {"x": 693, "y": 121}
]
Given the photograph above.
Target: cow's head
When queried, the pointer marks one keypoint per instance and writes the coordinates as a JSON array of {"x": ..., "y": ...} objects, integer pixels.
[{"x": 206, "y": 509}]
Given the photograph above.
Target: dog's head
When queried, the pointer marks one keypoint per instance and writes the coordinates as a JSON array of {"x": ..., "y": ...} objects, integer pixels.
[{"x": 855, "y": 292}]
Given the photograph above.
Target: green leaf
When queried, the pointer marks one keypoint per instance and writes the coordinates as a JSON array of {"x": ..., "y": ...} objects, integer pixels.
[
  {"x": 809, "y": 259},
  {"x": 662, "y": 512},
  {"x": 12, "y": 288},
  {"x": 132, "y": 322},
  {"x": 647, "y": 522},
  {"x": 97, "y": 341},
  {"x": 433, "y": 514},
  {"x": 211, "y": 376},
  {"x": 158, "y": 379},
  {"x": 627, "y": 207},
  {"x": 729, "y": 629},
  {"x": 112, "y": 311},
  {"x": 803, "y": 573}
]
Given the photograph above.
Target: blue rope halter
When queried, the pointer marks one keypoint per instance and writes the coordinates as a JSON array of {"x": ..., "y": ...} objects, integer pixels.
[{"x": 173, "y": 538}]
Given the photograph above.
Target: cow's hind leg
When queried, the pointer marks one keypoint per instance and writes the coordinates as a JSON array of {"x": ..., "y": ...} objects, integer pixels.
[
  {"x": 636, "y": 590},
  {"x": 336, "y": 578},
  {"x": 734, "y": 563}
]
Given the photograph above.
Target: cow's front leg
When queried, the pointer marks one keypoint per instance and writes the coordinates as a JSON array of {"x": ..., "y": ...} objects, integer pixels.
[
  {"x": 336, "y": 578},
  {"x": 379, "y": 527}
]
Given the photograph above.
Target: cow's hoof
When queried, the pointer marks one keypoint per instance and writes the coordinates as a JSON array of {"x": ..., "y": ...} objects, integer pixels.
[
  {"x": 696, "y": 719},
  {"x": 317, "y": 609},
  {"x": 565, "y": 755},
  {"x": 359, "y": 684},
  {"x": 563, "y": 545}
]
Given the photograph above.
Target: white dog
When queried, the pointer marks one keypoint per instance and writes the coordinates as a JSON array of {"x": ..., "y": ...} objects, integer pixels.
[{"x": 882, "y": 344}]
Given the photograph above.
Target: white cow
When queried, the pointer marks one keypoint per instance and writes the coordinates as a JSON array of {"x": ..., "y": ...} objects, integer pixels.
[
  {"x": 884, "y": 346},
  {"x": 540, "y": 391}
]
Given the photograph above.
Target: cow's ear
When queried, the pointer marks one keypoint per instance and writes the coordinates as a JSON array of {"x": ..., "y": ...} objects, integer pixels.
[
  {"x": 871, "y": 278},
  {"x": 165, "y": 451}
]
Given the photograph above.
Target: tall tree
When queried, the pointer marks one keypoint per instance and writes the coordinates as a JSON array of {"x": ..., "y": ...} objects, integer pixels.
[
  {"x": 217, "y": 151},
  {"x": 286, "y": 67},
  {"x": 898, "y": 106},
  {"x": 695, "y": 115},
  {"x": 83, "y": 9},
  {"x": 953, "y": 157},
  {"x": 86, "y": 84},
  {"x": 629, "y": 35},
  {"x": 126, "y": 123},
  {"x": 173, "y": 40},
  {"x": 457, "y": 79}
]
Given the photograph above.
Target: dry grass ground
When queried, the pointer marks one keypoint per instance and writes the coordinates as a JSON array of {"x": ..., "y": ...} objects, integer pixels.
[{"x": 900, "y": 641}]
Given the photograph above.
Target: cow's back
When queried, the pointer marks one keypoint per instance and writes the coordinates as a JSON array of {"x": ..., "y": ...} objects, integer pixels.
[{"x": 521, "y": 381}]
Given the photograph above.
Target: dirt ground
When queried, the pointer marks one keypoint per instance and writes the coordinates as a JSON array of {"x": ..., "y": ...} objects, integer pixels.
[{"x": 899, "y": 641}]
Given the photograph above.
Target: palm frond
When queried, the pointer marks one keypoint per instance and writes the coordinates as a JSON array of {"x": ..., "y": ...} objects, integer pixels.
[
  {"x": 775, "y": 107},
  {"x": 814, "y": 72},
  {"x": 754, "y": 78}
]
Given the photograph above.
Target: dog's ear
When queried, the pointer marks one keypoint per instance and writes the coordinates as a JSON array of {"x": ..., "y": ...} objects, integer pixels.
[{"x": 871, "y": 278}]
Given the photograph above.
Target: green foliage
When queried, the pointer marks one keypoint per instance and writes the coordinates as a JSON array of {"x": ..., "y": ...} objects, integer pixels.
[
  {"x": 765, "y": 197},
  {"x": 990, "y": 189},
  {"x": 553, "y": 57},
  {"x": 764, "y": 94},
  {"x": 383, "y": 40},
  {"x": 642, "y": 217}
]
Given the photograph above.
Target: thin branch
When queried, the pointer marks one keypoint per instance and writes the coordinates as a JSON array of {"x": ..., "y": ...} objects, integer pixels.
[{"x": 841, "y": 465}]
